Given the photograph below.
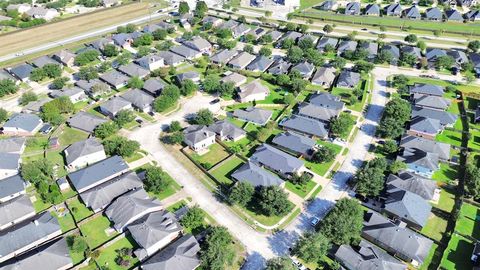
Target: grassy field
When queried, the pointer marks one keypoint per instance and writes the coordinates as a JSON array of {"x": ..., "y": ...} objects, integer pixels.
[
  {"x": 309, "y": 3},
  {"x": 222, "y": 173},
  {"x": 21, "y": 40}
]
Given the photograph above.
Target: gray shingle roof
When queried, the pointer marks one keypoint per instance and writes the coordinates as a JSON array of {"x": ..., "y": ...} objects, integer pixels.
[
  {"x": 85, "y": 121},
  {"x": 348, "y": 79},
  {"x": 425, "y": 125},
  {"x": 427, "y": 89},
  {"x": 255, "y": 175},
  {"x": 87, "y": 85},
  {"x": 198, "y": 43},
  {"x": 432, "y": 102},
  {"x": 324, "y": 76},
  {"x": 114, "y": 78},
  {"x": 138, "y": 98},
  {"x": 324, "y": 41},
  {"x": 394, "y": 50},
  {"x": 154, "y": 86},
  {"x": 371, "y": 48},
  {"x": 12, "y": 144},
  {"x": 460, "y": 57},
  {"x": 327, "y": 100},
  {"x": 230, "y": 24},
  {"x": 347, "y": 45},
  {"x": 445, "y": 118},
  {"x": 22, "y": 71},
  {"x": 279, "y": 67},
  {"x": 115, "y": 104},
  {"x": 189, "y": 75},
  {"x": 372, "y": 9},
  {"x": 434, "y": 13},
  {"x": 235, "y": 78},
  {"x": 276, "y": 160},
  {"x": 15, "y": 210},
  {"x": 241, "y": 60},
  {"x": 185, "y": 51},
  {"x": 223, "y": 56},
  {"x": 317, "y": 112},
  {"x": 171, "y": 58},
  {"x": 134, "y": 70},
  {"x": 293, "y": 35},
  {"x": 131, "y": 206},
  {"x": 400, "y": 239},
  {"x": 426, "y": 145},
  {"x": 97, "y": 173},
  {"x": 276, "y": 35},
  {"x": 4, "y": 75},
  {"x": 69, "y": 92},
  {"x": 408, "y": 206},
  {"x": 433, "y": 53},
  {"x": 63, "y": 56},
  {"x": 147, "y": 60},
  {"x": 180, "y": 255},
  {"x": 394, "y": 9},
  {"x": 240, "y": 30},
  {"x": 44, "y": 60},
  {"x": 252, "y": 114},
  {"x": 252, "y": 88},
  {"x": 9, "y": 161},
  {"x": 195, "y": 134},
  {"x": 406, "y": 49},
  {"x": 294, "y": 142},
  {"x": 412, "y": 13},
  {"x": 419, "y": 158},
  {"x": 306, "y": 69},
  {"x": 261, "y": 63},
  {"x": 226, "y": 129},
  {"x": 453, "y": 15},
  {"x": 352, "y": 8},
  {"x": 411, "y": 182},
  {"x": 11, "y": 185},
  {"x": 82, "y": 148},
  {"x": 23, "y": 121},
  {"x": 305, "y": 125}
]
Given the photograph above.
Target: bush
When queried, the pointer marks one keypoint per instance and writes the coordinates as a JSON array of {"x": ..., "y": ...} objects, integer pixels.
[{"x": 27, "y": 97}]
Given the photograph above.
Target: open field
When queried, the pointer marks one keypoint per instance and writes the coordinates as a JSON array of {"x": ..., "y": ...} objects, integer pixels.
[{"x": 20, "y": 40}]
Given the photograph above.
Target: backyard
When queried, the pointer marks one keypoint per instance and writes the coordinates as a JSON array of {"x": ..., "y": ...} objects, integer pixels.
[
  {"x": 109, "y": 254},
  {"x": 215, "y": 154},
  {"x": 224, "y": 171},
  {"x": 457, "y": 255},
  {"x": 94, "y": 230},
  {"x": 78, "y": 209}
]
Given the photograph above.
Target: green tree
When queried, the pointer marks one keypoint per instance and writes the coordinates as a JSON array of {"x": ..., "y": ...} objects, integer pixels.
[
  {"x": 59, "y": 83},
  {"x": 204, "y": 117},
  {"x": 389, "y": 147},
  {"x": 266, "y": 39},
  {"x": 27, "y": 97},
  {"x": 218, "y": 251},
  {"x": 472, "y": 181},
  {"x": 3, "y": 115},
  {"x": 444, "y": 62},
  {"x": 344, "y": 223},
  {"x": 120, "y": 146},
  {"x": 384, "y": 57},
  {"x": 183, "y": 8},
  {"x": 174, "y": 126},
  {"x": 370, "y": 179},
  {"x": 106, "y": 129},
  {"x": 363, "y": 66},
  {"x": 396, "y": 166},
  {"x": 201, "y": 9},
  {"x": 52, "y": 70},
  {"x": 289, "y": 99},
  {"x": 211, "y": 83},
  {"x": 280, "y": 263},
  {"x": 291, "y": 26},
  {"x": 287, "y": 43},
  {"x": 272, "y": 200},
  {"x": 265, "y": 51},
  {"x": 160, "y": 34},
  {"x": 188, "y": 87},
  {"x": 295, "y": 54},
  {"x": 474, "y": 45},
  {"x": 396, "y": 114},
  {"x": 123, "y": 117},
  {"x": 86, "y": 57},
  {"x": 77, "y": 243},
  {"x": 130, "y": 28},
  {"x": 226, "y": 89},
  {"x": 242, "y": 193},
  {"x": 339, "y": 62},
  {"x": 411, "y": 38},
  {"x": 194, "y": 218},
  {"x": 7, "y": 87},
  {"x": 37, "y": 75},
  {"x": 87, "y": 73},
  {"x": 324, "y": 154},
  {"x": 312, "y": 247},
  {"x": 143, "y": 40},
  {"x": 174, "y": 138},
  {"x": 110, "y": 50},
  {"x": 54, "y": 110},
  {"x": 156, "y": 180},
  {"x": 422, "y": 45},
  {"x": 340, "y": 126},
  {"x": 314, "y": 57},
  {"x": 327, "y": 28},
  {"x": 135, "y": 82},
  {"x": 306, "y": 43},
  {"x": 408, "y": 59}
]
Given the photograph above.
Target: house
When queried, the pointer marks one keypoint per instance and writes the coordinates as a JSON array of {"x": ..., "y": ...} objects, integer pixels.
[
  {"x": 324, "y": 76},
  {"x": 227, "y": 131},
  {"x": 213, "y": 20},
  {"x": 292, "y": 35},
  {"x": 434, "y": 14},
  {"x": 466, "y": 3},
  {"x": 326, "y": 5},
  {"x": 256, "y": 33},
  {"x": 276, "y": 35},
  {"x": 186, "y": 52},
  {"x": 110, "y": 3},
  {"x": 408, "y": 207},
  {"x": 327, "y": 100},
  {"x": 472, "y": 16},
  {"x": 447, "y": 119},
  {"x": 11, "y": 187},
  {"x": 189, "y": 75},
  {"x": 235, "y": 78},
  {"x": 85, "y": 121},
  {"x": 320, "y": 113},
  {"x": 352, "y": 8},
  {"x": 94, "y": 87},
  {"x": 151, "y": 62},
  {"x": 15, "y": 211},
  {"x": 130, "y": 207},
  {"x": 180, "y": 255},
  {"x": 115, "y": 79},
  {"x": 42, "y": 13},
  {"x": 424, "y": 127},
  {"x": 112, "y": 106},
  {"x": 279, "y": 67},
  {"x": 223, "y": 56},
  {"x": 154, "y": 86},
  {"x": 394, "y": 52},
  {"x": 406, "y": 49},
  {"x": 28, "y": 234},
  {"x": 397, "y": 240},
  {"x": 426, "y": 89},
  {"x": 54, "y": 255},
  {"x": 199, "y": 44},
  {"x": 186, "y": 20},
  {"x": 312, "y": 38},
  {"x": 348, "y": 79},
  {"x": 98, "y": 197},
  {"x": 97, "y": 173},
  {"x": 346, "y": 45},
  {"x": 22, "y": 124},
  {"x": 253, "y": 91},
  {"x": 123, "y": 40},
  {"x": 14, "y": 145},
  {"x": 153, "y": 232},
  {"x": 253, "y": 115},
  {"x": 42, "y": 61},
  {"x": 421, "y": 186},
  {"x": 171, "y": 59},
  {"x": 134, "y": 70},
  {"x": 453, "y": 15},
  {"x": 432, "y": 102},
  {"x": 9, "y": 164},
  {"x": 100, "y": 44},
  {"x": 460, "y": 57},
  {"x": 295, "y": 143},
  {"x": 420, "y": 162},
  {"x": 166, "y": 26},
  {"x": 260, "y": 64},
  {"x": 366, "y": 256},
  {"x": 277, "y": 161},
  {"x": 139, "y": 100},
  {"x": 80, "y": 154},
  {"x": 257, "y": 176},
  {"x": 371, "y": 48},
  {"x": 433, "y": 53},
  {"x": 394, "y": 9},
  {"x": 412, "y": 13},
  {"x": 22, "y": 71},
  {"x": 326, "y": 42},
  {"x": 241, "y": 61},
  {"x": 230, "y": 24},
  {"x": 4, "y": 75},
  {"x": 74, "y": 94},
  {"x": 305, "y": 125},
  {"x": 21, "y": 8},
  {"x": 199, "y": 138},
  {"x": 305, "y": 69},
  {"x": 372, "y": 10},
  {"x": 426, "y": 145},
  {"x": 240, "y": 30}
]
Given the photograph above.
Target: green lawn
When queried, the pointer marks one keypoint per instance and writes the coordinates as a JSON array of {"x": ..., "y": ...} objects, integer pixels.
[
  {"x": 474, "y": 141},
  {"x": 468, "y": 223},
  {"x": 71, "y": 135},
  {"x": 174, "y": 207},
  {"x": 66, "y": 222},
  {"x": 445, "y": 174},
  {"x": 79, "y": 210},
  {"x": 56, "y": 157},
  {"x": 300, "y": 190},
  {"x": 172, "y": 188},
  {"x": 309, "y": 3},
  {"x": 215, "y": 154},
  {"x": 95, "y": 231},
  {"x": 435, "y": 227},
  {"x": 239, "y": 123},
  {"x": 108, "y": 254},
  {"x": 345, "y": 94},
  {"x": 136, "y": 156},
  {"x": 446, "y": 201},
  {"x": 451, "y": 137},
  {"x": 434, "y": 254},
  {"x": 265, "y": 220},
  {"x": 80, "y": 105},
  {"x": 457, "y": 255},
  {"x": 222, "y": 173},
  {"x": 322, "y": 168},
  {"x": 454, "y": 108},
  {"x": 35, "y": 144}
]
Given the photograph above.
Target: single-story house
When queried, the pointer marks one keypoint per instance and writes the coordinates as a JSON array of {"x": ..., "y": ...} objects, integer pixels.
[
  {"x": 260, "y": 64},
  {"x": 154, "y": 86},
  {"x": 227, "y": 131},
  {"x": 408, "y": 207},
  {"x": 279, "y": 67},
  {"x": 371, "y": 48},
  {"x": 112, "y": 106},
  {"x": 277, "y": 160},
  {"x": 115, "y": 79},
  {"x": 235, "y": 78},
  {"x": 223, "y": 56},
  {"x": 453, "y": 15},
  {"x": 372, "y": 10},
  {"x": 423, "y": 187},
  {"x": 424, "y": 127},
  {"x": 199, "y": 44},
  {"x": 327, "y": 100},
  {"x": 326, "y": 42},
  {"x": 254, "y": 90},
  {"x": 85, "y": 121},
  {"x": 11, "y": 187},
  {"x": 151, "y": 62},
  {"x": 305, "y": 125},
  {"x": 257, "y": 176},
  {"x": 15, "y": 145},
  {"x": 426, "y": 89},
  {"x": 213, "y": 20},
  {"x": 15, "y": 211},
  {"x": 253, "y": 115},
  {"x": 320, "y": 113},
  {"x": 241, "y": 60},
  {"x": 94, "y": 87},
  {"x": 171, "y": 59},
  {"x": 434, "y": 14},
  {"x": 189, "y": 75},
  {"x": 352, "y": 8},
  {"x": 139, "y": 100},
  {"x": 432, "y": 102},
  {"x": 348, "y": 79},
  {"x": 9, "y": 164},
  {"x": 186, "y": 52},
  {"x": 134, "y": 70},
  {"x": 22, "y": 71},
  {"x": 295, "y": 143},
  {"x": 39, "y": 12},
  {"x": 346, "y": 45},
  {"x": 44, "y": 60},
  {"x": 22, "y": 124},
  {"x": 199, "y": 138},
  {"x": 426, "y": 145},
  {"x": 305, "y": 69},
  {"x": 240, "y": 30},
  {"x": 447, "y": 119},
  {"x": 394, "y": 51},
  {"x": 420, "y": 162},
  {"x": 75, "y": 94},
  {"x": 324, "y": 76},
  {"x": 412, "y": 13},
  {"x": 394, "y": 9},
  {"x": 82, "y": 153}
]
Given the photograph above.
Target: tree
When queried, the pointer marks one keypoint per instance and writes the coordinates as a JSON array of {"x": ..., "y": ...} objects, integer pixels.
[
  {"x": 106, "y": 129},
  {"x": 201, "y": 9},
  {"x": 298, "y": 85},
  {"x": 160, "y": 34},
  {"x": 474, "y": 45},
  {"x": 384, "y": 57},
  {"x": 306, "y": 43},
  {"x": 86, "y": 57},
  {"x": 211, "y": 83},
  {"x": 437, "y": 33},
  {"x": 242, "y": 193},
  {"x": 408, "y": 59},
  {"x": 120, "y": 146},
  {"x": 265, "y": 51},
  {"x": 110, "y": 50},
  {"x": 226, "y": 89},
  {"x": 143, "y": 40},
  {"x": 282, "y": 79},
  {"x": 156, "y": 180},
  {"x": 188, "y": 87},
  {"x": 87, "y": 73},
  {"x": 37, "y": 75},
  {"x": 472, "y": 181},
  {"x": 288, "y": 99},
  {"x": 370, "y": 178},
  {"x": 7, "y": 87},
  {"x": 396, "y": 166},
  {"x": 52, "y": 70},
  {"x": 291, "y": 26},
  {"x": 397, "y": 113},
  {"x": 204, "y": 117},
  {"x": 248, "y": 48},
  {"x": 123, "y": 117},
  {"x": 303, "y": 28},
  {"x": 312, "y": 247},
  {"x": 344, "y": 223},
  {"x": 314, "y": 56},
  {"x": 295, "y": 54},
  {"x": 3, "y": 115},
  {"x": 218, "y": 252},
  {"x": 193, "y": 219},
  {"x": 422, "y": 45},
  {"x": 167, "y": 98},
  {"x": 338, "y": 62},
  {"x": 389, "y": 147},
  {"x": 266, "y": 39},
  {"x": 444, "y": 62},
  {"x": 77, "y": 243},
  {"x": 340, "y": 126},
  {"x": 123, "y": 58},
  {"x": 411, "y": 38},
  {"x": 272, "y": 200},
  {"x": 53, "y": 111},
  {"x": 363, "y": 66},
  {"x": 174, "y": 126},
  {"x": 324, "y": 154},
  {"x": 328, "y": 28},
  {"x": 280, "y": 263},
  {"x": 59, "y": 83},
  {"x": 38, "y": 171},
  {"x": 135, "y": 82},
  {"x": 27, "y": 97},
  {"x": 183, "y": 8}
]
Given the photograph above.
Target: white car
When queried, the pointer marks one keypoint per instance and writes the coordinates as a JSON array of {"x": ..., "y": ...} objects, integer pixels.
[{"x": 314, "y": 221}]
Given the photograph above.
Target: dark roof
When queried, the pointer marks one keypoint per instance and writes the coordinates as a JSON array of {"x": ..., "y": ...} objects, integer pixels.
[
  {"x": 197, "y": 133},
  {"x": 275, "y": 159},
  {"x": 15, "y": 210},
  {"x": 134, "y": 70},
  {"x": 453, "y": 15},
  {"x": 324, "y": 76},
  {"x": 255, "y": 175},
  {"x": 352, "y": 8},
  {"x": 324, "y": 41},
  {"x": 427, "y": 89},
  {"x": 445, "y": 118},
  {"x": 318, "y": 112},
  {"x": 394, "y": 9},
  {"x": 224, "y": 128},
  {"x": 223, "y": 56},
  {"x": 435, "y": 102},
  {"x": 22, "y": 71},
  {"x": 279, "y": 67},
  {"x": 184, "y": 51},
  {"x": 253, "y": 114},
  {"x": 347, "y": 45},
  {"x": 138, "y": 98},
  {"x": 9, "y": 161},
  {"x": 12, "y": 144},
  {"x": 411, "y": 182},
  {"x": 412, "y": 13},
  {"x": 327, "y": 100},
  {"x": 408, "y": 206},
  {"x": 154, "y": 86},
  {"x": 425, "y": 125},
  {"x": 11, "y": 185},
  {"x": 294, "y": 142},
  {"x": 394, "y": 50},
  {"x": 85, "y": 121},
  {"x": 305, "y": 125},
  {"x": 420, "y": 158},
  {"x": 426, "y": 145},
  {"x": 433, "y": 53},
  {"x": 261, "y": 63},
  {"x": 44, "y": 60},
  {"x": 348, "y": 78}
]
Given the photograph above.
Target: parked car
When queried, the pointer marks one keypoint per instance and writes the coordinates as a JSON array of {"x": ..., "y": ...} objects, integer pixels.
[
  {"x": 215, "y": 101},
  {"x": 314, "y": 221}
]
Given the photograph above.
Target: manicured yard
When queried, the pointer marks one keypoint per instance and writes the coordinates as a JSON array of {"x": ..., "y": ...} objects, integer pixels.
[
  {"x": 108, "y": 254},
  {"x": 457, "y": 255},
  {"x": 468, "y": 223},
  {"x": 346, "y": 94},
  {"x": 223, "y": 173},
  {"x": 174, "y": 207},
  {"x": 66, "y": 222},
  {"x": 239, "y": 123},
  {"x": 435, "y": 227},
  {"x": 446, "y": 201},
  {"x": 136, "y": 156},
  {"x": 322, "y": 168},
  {"x": 215, "y": 154},
  {"x": 474, "y": 141},
  {"x": 451, "y": 137},
  {"x": 71, "y": 135},
  {"x": 79, "y": 210},
  {"x": 446, "y": 173},
  {"x": 265, "y": 220},
  {"x": 309, "y": 3},
  {"x": 172, "y": 188},
  {"x": 300, "y": 190},
  {"x": 95, "y": 231},
  {"x": 76, "y": 256},
  {"x": 56, "y": 157}
]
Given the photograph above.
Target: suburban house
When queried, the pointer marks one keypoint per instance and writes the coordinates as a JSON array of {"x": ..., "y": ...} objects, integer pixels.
[
  {"x": 292, "y": 35},
  {"x": 408, "y": 207},
  {"x": 423, "y": 187},
  {"x": 213, "y": 20},
  {"x": 472, "y": 16},
  {"x": 240, "y": 30},
  {"x": 4, "y": 75},
  {"x": 346, "y": 45},
  {"x": 186, "y": 52},
  {"x": 295, "y": 143},
  {"x": 241, "y": 60},
  {"x": 97, "y": 198},
  {"x": 199, "y": 44},
  {"x": 110, "y": 3},
  {"x": 352, "y": 8},
  {"x": 420, "y": 162},
  {"x": 180, "y": 255},
  {"x": 97, "y": 173},
  {"x": 28, "y": 234},
  {"x": 94, "y": 87},
  {"x": 372, "y": 10},
  {"x": 305, "y": 125},
  {"x": 432, "y": 54},
  {"x": 434, "y": 14},
  {"x": 35, "y": 106},
  {"x": 460, "y": 57},
  {"x": 130, "y": 207},
  {"x": 366, "y": 256},
  {"x": 327, "y": 100},
  {"x": 257, "y": 176},
  {"x": 81, "y": 153},
  {"x": 394, "y": 51},
  {"x": 418, "y": 90},
  {"x": 22, "y": 71},
  {"x": 21, "y": 8},
  {"x": 260, "y": 64},
  {"x": 154, "y": 232},
  {"x": 100, "y": 44},
  {"x": 112, "y": 106},
  {"x": 171, "y": 59},
  {"x": 22, "y": 124},
  {"x": 189, "y": 75},
  {"x": 44, "y": 60},
  {"x": 257, "y": 33},
  {"x": 134, "y": 70},
  {"x": 371, "y": 48},
  {"x": 123, "y": 40},
  {"x": 151, "y": 62},
  {"x": 412, "y": 13},
  {"x": 199, "y": 138},
  {"x": 230, "y": 24},
  {"x": 227, "y": 131},
  {"x": 223, "y": 56},
  {"x": 348, "y": 79},
  {"x": 14, "y": 145},
  {"x": 11, "y": 187},
  {"x": 397, "y": 240},
  {"x": 447, "y": 119},
  {"x": 426, "y": 145},
  {"x": 75, "y": 94},
  {"x": 85, "y": 121},
  {"x": 42, "y": 13},
  {"x": 115, "y": 79},
  {"x": 279, "y": 67},
  {"x": 235, "y": 78},
  {"x": 254, "y": 90},
  {"x": 305, "y": 69},
  {"x": 424, "y": 127},
  {"x": 154, "y": 86},
  {"x": 139, "y": 100},
  {"x": 324, "y": 76},
  {"x": 9, "y": 164},
  {"x": 15, "y": 211},
  {"x": 415, "y": 51},
  {"x": 277, "y": 160},
  {"x": 276, "y": 35},
  {"x": 432, "y": 102},
  {"x": 326, "y": 42},
  {"x": 253, "y": 115},
  {"x": 453, "y": 15},
  {"x": 320, "y": 113}
]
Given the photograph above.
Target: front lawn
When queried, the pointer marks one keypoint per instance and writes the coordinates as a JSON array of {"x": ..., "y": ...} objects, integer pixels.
[
  {"x": 215, "y": 154},
  {"x": 446, "y": 173},
  {"x": 457, "y": 255},
  {"x": 70, "y": 135},
  {"x": 451, "y": 137},
  {"x": 94, "y": 230},
  {"x": 109, "y": 254},
  {"x": 78, "y": 209},
  {"x": 172, "y": 188},
  {"x": 301, "y": 190},
  {"x": 223, "y": 173},
  {"x": 322, "y": 168}
]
